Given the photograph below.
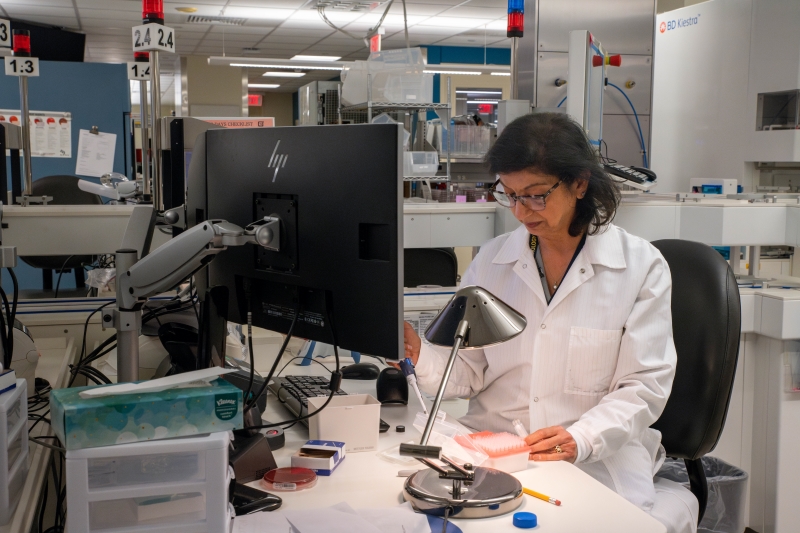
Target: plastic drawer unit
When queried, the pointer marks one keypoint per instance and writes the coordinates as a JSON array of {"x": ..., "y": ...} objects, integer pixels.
[
  {"x": 13, "y": 448},
  {"x": 159, "y": 486}
]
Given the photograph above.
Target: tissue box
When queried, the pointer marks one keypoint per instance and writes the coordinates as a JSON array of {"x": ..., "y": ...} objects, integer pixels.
[
  {"x": 353, "y": 419},
  {"x": 321, "y": 456},
  {"x": 124, "y": 418}
]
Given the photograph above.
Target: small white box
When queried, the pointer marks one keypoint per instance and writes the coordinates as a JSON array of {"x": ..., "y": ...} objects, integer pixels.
[
  {"x": 353, "y": 419},
  {"x": 13, "y": 448},
  {"x": 419, "y": 164},
  {"x": 179, "y": 485},
  {"x": 321, "y": 456}
]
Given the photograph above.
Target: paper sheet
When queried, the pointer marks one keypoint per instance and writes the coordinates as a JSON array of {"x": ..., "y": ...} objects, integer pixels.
[
  {"x": 341, "y": 518},
  {"x": 274, "y": 522},
  {"x": 95, "y": 153},
  {"x": 157, "y": 385}
]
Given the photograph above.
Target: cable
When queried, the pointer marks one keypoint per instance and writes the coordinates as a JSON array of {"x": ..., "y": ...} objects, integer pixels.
[
  {"x": 13, "y": 316},
  {"x": 370, "y": 33},
  {"x": 60, "y": 273},
  {"x": 405, "y": 27},
  {"x": 638, "y": 124},
  {"x": 562, "y": 101},
  {"x": 56, "y": 448},
  {"x": 335, "y": 383},
  {"x": 277, "y": 359}
]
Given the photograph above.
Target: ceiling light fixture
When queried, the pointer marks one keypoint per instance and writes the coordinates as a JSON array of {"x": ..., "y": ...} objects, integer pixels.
[
  {"x": 186, "y": 9},
  {"x": 454, "y": 72},
  {"x": 316, "y": 58},
  {"x": 263, "y": 85},
  {"x": 501, "y": 74},
  {"x": 469, "y": 91},
  {"x": 292, "y": 67},
  {"x": 283, "y": 74},
  {"x": 481, "y": 101}
]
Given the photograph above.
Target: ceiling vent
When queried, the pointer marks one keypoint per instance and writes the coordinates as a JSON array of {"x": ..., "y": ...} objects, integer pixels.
[{"x": 228, "y": 21}]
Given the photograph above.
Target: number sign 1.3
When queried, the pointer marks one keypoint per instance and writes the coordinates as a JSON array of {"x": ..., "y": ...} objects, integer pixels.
[
  {"x": 5, "y": 34},
  {"x": 153, "y": 37},
  {"x": 22, "y": 66},
  {"x": 138, "y": 70}
]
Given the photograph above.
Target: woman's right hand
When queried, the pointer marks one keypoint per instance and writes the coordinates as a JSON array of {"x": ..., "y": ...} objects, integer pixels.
[{"x": 412, "y": 342}]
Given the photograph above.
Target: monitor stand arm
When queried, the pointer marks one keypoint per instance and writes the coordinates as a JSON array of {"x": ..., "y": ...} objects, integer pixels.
[{"x": 165, "y": 268}]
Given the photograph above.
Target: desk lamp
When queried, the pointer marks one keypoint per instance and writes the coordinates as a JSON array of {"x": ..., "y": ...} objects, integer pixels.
[{"x": 474, "y": 318}]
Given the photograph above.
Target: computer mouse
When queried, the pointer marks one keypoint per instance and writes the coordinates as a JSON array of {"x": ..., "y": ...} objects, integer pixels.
[{"x": 361, "y": 371}]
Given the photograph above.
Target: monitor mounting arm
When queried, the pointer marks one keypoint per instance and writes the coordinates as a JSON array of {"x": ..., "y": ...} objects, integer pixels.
[{"x": 165, "y": 268}]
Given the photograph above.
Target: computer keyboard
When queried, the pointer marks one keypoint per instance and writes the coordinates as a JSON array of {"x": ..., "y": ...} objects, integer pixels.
[{"x": 294, "y": 392}]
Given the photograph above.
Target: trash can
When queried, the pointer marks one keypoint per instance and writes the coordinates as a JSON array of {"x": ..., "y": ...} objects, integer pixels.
[{"x": 726, "y": 493}]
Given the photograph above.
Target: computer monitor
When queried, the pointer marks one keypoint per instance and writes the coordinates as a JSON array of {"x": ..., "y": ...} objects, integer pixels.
[{"x": 338, "y": 193}]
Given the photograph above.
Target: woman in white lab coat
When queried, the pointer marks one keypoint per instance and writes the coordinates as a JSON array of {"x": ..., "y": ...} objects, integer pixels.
[{"x": 594, "y": 367}]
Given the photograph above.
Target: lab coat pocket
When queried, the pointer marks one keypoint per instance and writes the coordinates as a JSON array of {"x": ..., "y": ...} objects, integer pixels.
[{"x": 591, "y": 360}]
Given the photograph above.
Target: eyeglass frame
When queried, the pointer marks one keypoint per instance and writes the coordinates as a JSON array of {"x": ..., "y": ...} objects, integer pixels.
[{"x": 514, "y": 198}]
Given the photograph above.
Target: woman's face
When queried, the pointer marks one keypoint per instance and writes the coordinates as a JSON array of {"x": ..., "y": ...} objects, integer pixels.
[{"x": 554, "y": 220}]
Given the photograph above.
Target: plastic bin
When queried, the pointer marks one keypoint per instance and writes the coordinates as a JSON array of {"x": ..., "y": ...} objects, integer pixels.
[
  {"x": 13, "y": 448},
  {"x": 727, "y": 485},
  {"x": 470, "y": 140},
  {"x": 383, "y": 118},
  {"x": 180, "y": 484},
  {"x": 397, "y": 76},
  {"x": 420, "y": 164}
]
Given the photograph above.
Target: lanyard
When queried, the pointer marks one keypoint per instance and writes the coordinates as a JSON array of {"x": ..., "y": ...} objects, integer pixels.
[{"x": 537, "y": 255}]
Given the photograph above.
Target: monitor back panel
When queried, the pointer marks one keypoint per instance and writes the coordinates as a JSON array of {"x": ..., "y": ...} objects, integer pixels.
[{"x": 338, "y": 193}]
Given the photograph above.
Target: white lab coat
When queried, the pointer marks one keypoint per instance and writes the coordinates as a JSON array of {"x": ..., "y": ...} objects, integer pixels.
[{"x": 599, "y": 360}]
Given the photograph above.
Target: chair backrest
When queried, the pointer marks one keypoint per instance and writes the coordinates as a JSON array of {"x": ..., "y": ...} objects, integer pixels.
[
  {"x": 64, "y": 190},
  {"x": 706, "y": 325},
  {"x": 430, "y": 266}
]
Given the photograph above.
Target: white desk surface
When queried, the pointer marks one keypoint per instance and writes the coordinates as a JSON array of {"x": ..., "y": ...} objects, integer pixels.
[
  {"x": 364, "y": 480},
  {"x": 56, "y": 354}
]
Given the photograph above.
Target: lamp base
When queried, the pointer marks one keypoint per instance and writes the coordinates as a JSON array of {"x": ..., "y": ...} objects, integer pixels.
[{"x": 492, "y": 493}]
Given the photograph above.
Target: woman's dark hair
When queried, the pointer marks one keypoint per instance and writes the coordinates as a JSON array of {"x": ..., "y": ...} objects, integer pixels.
[{"x": 554, "y": 144}]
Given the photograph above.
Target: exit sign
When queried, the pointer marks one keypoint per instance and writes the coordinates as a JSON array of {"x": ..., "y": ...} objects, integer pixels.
[{"x": 254, "y": 100}]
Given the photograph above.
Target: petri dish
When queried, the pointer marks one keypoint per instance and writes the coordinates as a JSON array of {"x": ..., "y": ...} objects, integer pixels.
[{"x": 290, "y": 479}]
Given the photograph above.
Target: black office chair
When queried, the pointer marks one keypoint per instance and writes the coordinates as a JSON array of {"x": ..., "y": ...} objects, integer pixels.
[
  {"x": 706, "y": 325},
  {"x": 65, "y": 191},
  {"x": 430, "y": 266}
]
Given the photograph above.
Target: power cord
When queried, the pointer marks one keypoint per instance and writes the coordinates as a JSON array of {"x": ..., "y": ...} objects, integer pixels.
[
  {"x": 638, "y": 124},
  {"x": 60, "y": 273}
]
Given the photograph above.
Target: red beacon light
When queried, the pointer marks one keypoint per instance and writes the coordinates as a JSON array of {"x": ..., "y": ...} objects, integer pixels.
[
  {"x": 21, "y": 42},
  {"x": 153, "y": 11},
  {"x": 141, "y": 57}
]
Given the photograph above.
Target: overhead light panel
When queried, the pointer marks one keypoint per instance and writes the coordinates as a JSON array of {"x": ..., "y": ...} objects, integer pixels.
[
  {"x": 283, "y": 74},
  {"x": 263, "y": 85},
  {"x": 481, "y": 101},
  {"x": 292, "y": 67},
  {"x": 315, "y": 58},
  {"x": 501, "y": 74},
  {"x": 468, "y": 91},
  {"x": 454, "y": 72}
]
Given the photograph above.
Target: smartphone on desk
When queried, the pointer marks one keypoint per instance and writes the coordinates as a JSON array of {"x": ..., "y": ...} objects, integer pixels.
[{"x": 247, "y": 500}]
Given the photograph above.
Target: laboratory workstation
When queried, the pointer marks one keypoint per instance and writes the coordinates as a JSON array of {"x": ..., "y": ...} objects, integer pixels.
[{"x": 399, "y": 266}]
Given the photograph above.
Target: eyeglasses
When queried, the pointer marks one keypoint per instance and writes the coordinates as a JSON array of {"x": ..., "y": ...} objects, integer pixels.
[{"x": 534, "y": 202}]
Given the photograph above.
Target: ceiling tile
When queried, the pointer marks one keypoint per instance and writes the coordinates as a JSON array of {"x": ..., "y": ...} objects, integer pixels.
[{"x": 24, "y": 11}]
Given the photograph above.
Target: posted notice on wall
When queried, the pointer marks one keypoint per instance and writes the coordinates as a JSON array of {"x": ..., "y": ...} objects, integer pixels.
[
  {"x": 95, "y": 153},
  {"x": 233, "y": 122},
  {"x": 51, "y": 131}
]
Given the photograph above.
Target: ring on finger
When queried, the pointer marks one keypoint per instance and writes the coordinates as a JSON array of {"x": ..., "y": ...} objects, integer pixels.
[{"x": 558, "y": 449}]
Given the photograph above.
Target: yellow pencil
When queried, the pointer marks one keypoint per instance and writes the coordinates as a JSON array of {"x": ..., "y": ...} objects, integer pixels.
[{"x": 541, "y": 496}]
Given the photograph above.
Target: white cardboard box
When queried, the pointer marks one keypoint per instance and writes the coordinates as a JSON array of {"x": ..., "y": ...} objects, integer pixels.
[{"x": 353, "y": 419}]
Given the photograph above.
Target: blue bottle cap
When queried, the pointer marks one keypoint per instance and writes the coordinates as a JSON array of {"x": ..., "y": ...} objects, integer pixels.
[{"x": 525, "y": 520}]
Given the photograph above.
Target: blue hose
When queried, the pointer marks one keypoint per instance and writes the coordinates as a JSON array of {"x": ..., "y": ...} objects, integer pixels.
[
  {"x": 638, "y": 125},
  {"x": 562, "y": 101}
]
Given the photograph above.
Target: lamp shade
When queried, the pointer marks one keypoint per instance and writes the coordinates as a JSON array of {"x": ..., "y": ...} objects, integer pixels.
[{"x": 490, "y": 320}]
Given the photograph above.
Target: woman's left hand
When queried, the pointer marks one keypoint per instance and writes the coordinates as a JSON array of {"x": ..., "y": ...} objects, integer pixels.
[{"x": 544, "y": 441}]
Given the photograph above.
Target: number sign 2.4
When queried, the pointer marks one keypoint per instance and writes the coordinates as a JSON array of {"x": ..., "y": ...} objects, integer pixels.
[
  {"x": 138, "y": 70},
  {"x": 153, "y": 37},
  {"x": 22, "y": 66},
  {"x": 5, "y": 34}
]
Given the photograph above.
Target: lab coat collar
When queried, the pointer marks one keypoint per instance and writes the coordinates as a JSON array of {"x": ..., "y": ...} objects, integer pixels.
[{"x": 604, "y": 249}]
